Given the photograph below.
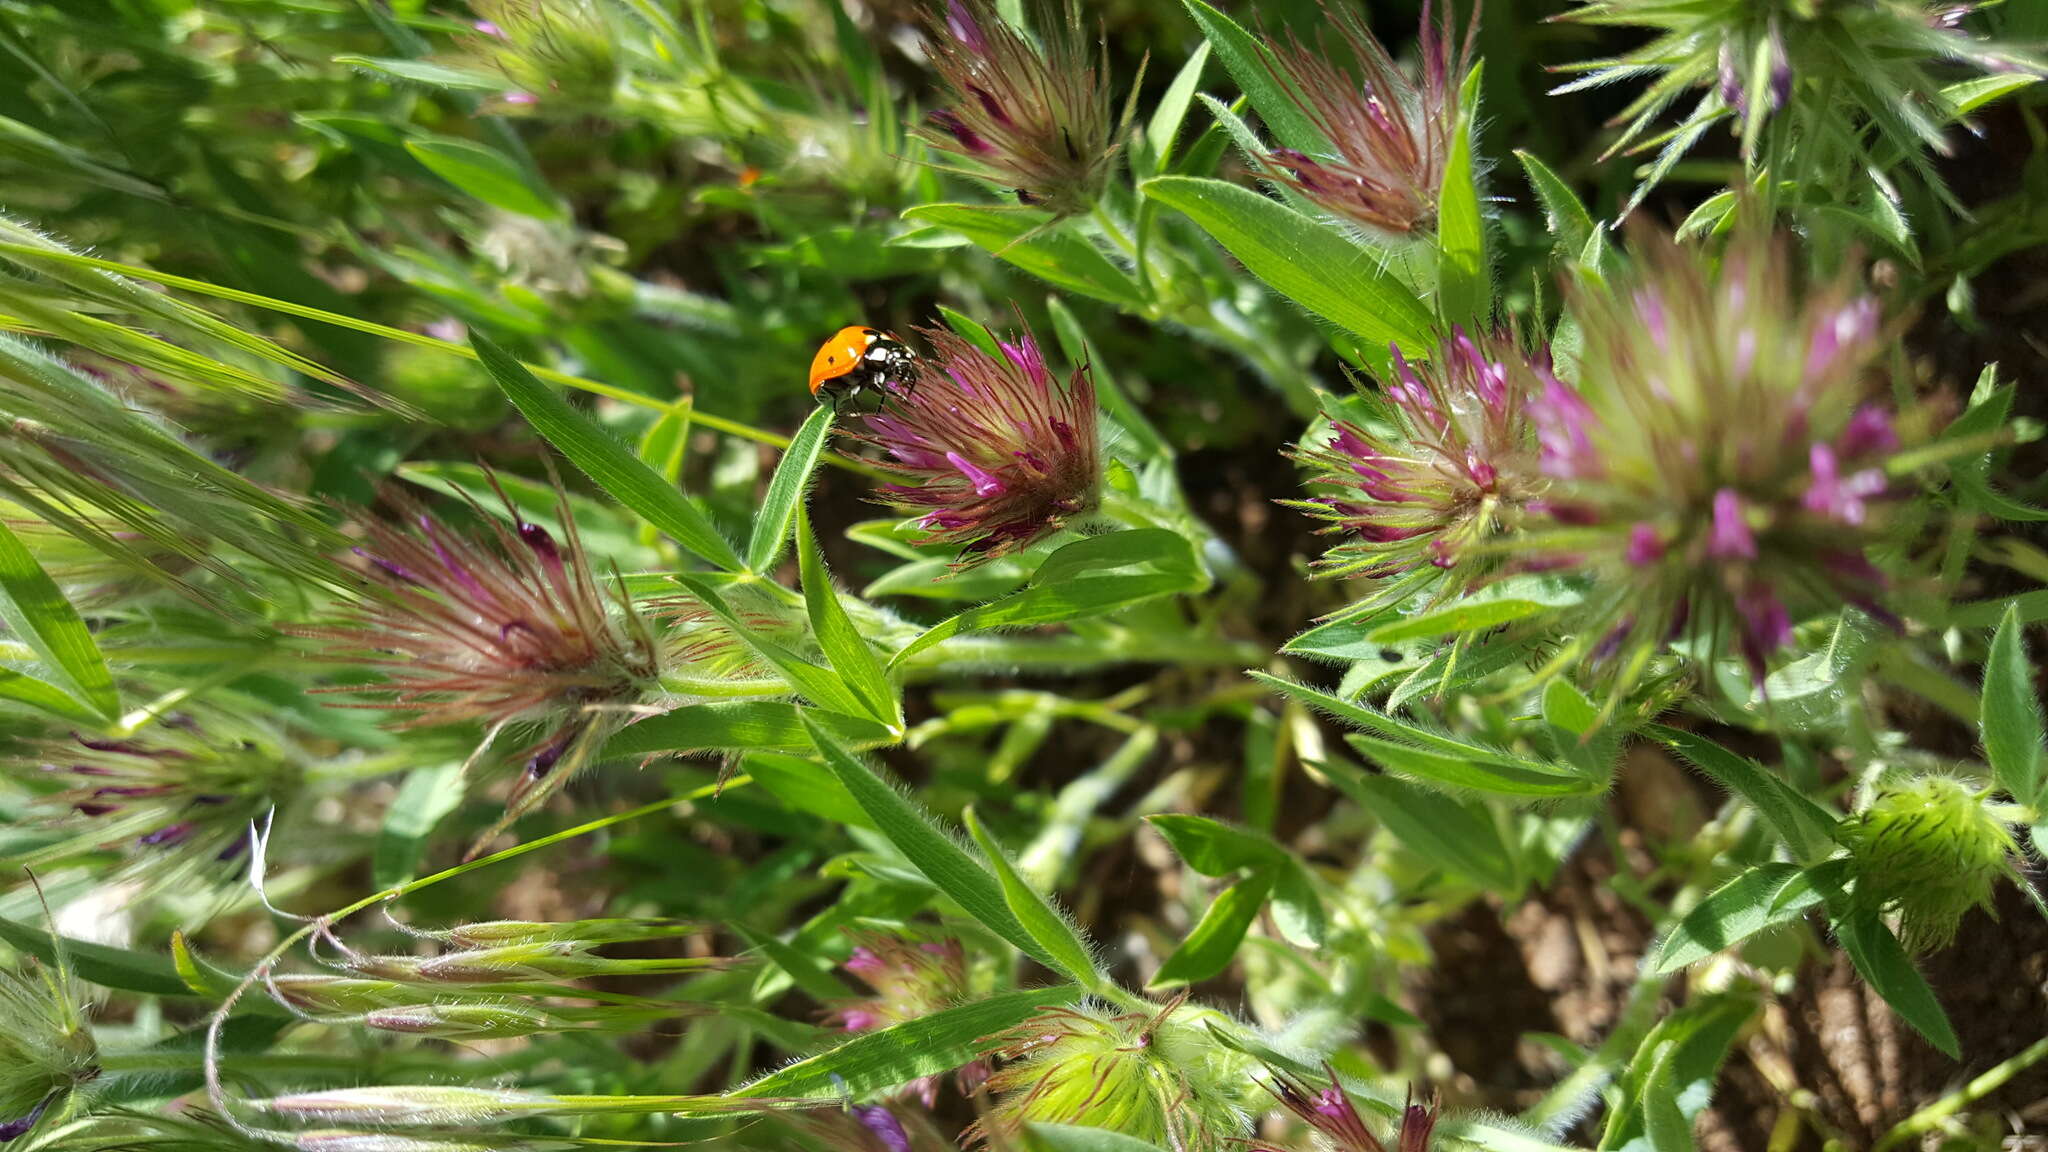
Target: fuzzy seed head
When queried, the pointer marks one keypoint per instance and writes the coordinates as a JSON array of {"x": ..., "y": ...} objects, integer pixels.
[
  {"x": 994, "y": 453},
  {"x": 1928, "y": 849},
  {"x": 1160, "y": 1078},
  {"x": 554, "y": 53}
]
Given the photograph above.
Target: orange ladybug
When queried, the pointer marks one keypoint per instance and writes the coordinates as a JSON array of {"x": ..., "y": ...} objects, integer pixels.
[{"x": 859, "y": 368}]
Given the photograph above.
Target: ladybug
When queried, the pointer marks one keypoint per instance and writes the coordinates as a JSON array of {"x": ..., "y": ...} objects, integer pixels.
[{"x": 860, "y": 368}]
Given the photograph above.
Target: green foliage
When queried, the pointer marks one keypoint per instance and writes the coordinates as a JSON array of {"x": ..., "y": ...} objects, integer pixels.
[{"x": 1133, "y": 813}]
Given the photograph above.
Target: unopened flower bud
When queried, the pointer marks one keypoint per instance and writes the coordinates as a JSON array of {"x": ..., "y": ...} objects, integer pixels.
[
  {"x": 471, "y": 1021},
  {"x": 1928, "y": 849}
]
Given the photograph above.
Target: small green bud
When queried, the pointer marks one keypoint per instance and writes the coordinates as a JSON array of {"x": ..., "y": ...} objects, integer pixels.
[
  {"x": 410, "y": 1106},
  {"x": 1160, "y": 1077},
  {"x": 1928, "y": 849},
  {"x": 472, "y": 1021}
]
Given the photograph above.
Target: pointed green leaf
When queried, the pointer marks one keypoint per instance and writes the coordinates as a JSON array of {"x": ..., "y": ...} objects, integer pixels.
[
  {"x": 609, "y": 464},
  {"x": 1257, "y": 73},
  {"x": 1883, "y": 963},
  {"x": 1464, "y": 279},
  {"x": 786, "y": 491},
  {"x": 851, "y": 655},
  {"x": 2011, "y": 714},
  {"x": 1563, "y": 213},
  {"x": 487, "y": 174},
  {"x": 35, "y": 611},
  {"x": 934, "y": 853},
  {"x": 1053, "y": 931},
  {"x": 1308, "y": 263},
  {"x": 1212, "y": 943}
]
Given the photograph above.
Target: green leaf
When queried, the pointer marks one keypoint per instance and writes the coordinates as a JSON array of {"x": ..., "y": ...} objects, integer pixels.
[
  {"x": 486, "y": 174},
  {"x": 1460, "y": 838},
  {"x": 421, "y": 72},
  {"x": 1080, "y": 580},
  {"x": 1213, "y": 848},
  {"x": 2010, "y": 719},
  {"x": 931, "y": 851},
  {"x": 1054, "y": 255},
  {"x": 1297, "y": 910},
  {"x": 1757, "y": 898},
  {"x": 1807, "y": 828},
  {"x": 1563, "y": 213},
  {"x": 609, "y": 464},
  {"x": 849, "y": 652},
  {"x": 786, "y": 491},
  {"x": 1671, "y": 1078},
  {"x": 1310, "y": 264},
  {"x": 805, "y": 785},
  {"x": 820, "y": 685},
  {"x": 1883, "y": 963},
  {"x": 1439, "y": 756},
  {"x": 1254, "y": 68},
  {"x": 873, "y": 1062},
  {"x": 744, "y": 725},
  {"x": 1173, "y": 107},
  {"x": 35, "y": 611},
  {"x": 1459, "y": 771},
  {"x": 1476, "y": 616},
  {"x": 1464, "y": 279},
  {"x": 1051, "y": 930},
  {"x": 1211, "y": 944},
  {"x": 427, "y": 795},
  {"x": 25, "y": 689},
  {"x": 98, "y": 964}
]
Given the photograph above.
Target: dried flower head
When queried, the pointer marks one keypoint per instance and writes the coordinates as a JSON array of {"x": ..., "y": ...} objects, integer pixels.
[
  {"x": 1718, "y": 465},
  {"x": 1389, "y": 135},
  {"x": 912, "y": 976},
  {"x": 1451, "y": 465},
  {"x": 1159, "y": 1077},
  {"x": 1929, "y": 849},
  {"x": 46, "y": 1050},
  {"x": 1034, "y": 120},
  {"x": 1331, "y": 1114},
  {"x": 1884, "y": 64},
  {"x": 178, "y": 801},
  {"x": 997, "y": 454}
]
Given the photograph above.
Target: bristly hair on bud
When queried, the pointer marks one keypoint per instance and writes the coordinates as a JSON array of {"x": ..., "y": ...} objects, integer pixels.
[
  {"x": 1929, "y": 849},
  {"x": 1719, "y": 463},
  {"x": 554, "y": 54},
  {"x": 507, "y": 630},
  {"x": 995, "y": 452},
  {"x": 1449, "y": 464},
  {"x": 1332, "y": 1115},
  {"x": 1390, "y": 135},
  {"x": 1159, "y": 1077},
  {"x": 1033, "y": 120}
]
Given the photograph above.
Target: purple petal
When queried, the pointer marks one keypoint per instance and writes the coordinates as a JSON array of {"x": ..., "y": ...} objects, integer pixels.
[{"x": 1730, "y": 538}]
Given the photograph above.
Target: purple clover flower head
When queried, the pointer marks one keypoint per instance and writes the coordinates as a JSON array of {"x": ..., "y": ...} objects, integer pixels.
[
  {"x": 1390, "y": 134},
  {"x": 1719, "y": 472},
  {"x": 994, "y": 452},
  {"x": 1036, "y": 122},
  {"x": 1459, "y": 467},
  {"x": 911, "y": 976}
]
